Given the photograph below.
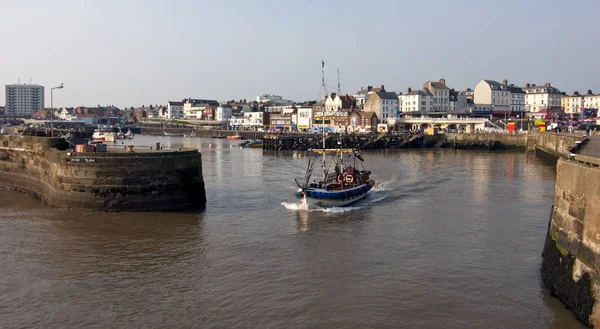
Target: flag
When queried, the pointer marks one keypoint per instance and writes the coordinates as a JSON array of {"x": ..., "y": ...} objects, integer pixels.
[{"x": 322, "y": 64}]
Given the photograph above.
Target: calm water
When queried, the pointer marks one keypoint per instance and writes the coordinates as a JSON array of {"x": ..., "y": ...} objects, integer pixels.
[{"x": 446, "y": 240}]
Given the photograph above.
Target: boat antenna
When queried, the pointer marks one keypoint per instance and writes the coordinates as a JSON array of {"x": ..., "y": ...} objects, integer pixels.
[{"x": 339, "y": 89}]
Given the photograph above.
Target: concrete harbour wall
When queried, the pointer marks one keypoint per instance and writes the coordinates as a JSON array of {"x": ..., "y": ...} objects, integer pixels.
[
  {"x": 571, "y": 255},
  {"x": 140, "y": 181}
]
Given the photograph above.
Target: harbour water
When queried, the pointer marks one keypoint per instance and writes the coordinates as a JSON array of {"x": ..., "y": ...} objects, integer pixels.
[{"x": 445, "y": 240}]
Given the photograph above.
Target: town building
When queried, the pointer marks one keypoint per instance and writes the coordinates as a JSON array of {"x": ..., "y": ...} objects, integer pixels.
[
  {"x": 201, "y": 109},
  {"x": 88, "y": 118},
  {"x": 305, "y": 117},
  {"x": 576, "y": 104},
  {"x": 384, "y": 104},
  {"x": 273, "y": 100},
  {"x": 517, "y": 99},
  {"x": 65, "y": 114},
  {"x": 416, "y": 101},
  {"x": 469, "y": 93},
  {"x": 335, "y": 102},
  {"x": 457, "y": 101},
  {"x": 281, "y": 122},
  {"x": 493, "y": 95},
  {"x": 538, "y": 98},
  {"x": 440, "y": 93},
  {"x": 223, "y": 113},
  {"x": 369, "y": 120},
  {"x": 360, "y": 97},
  {"x": 23, "y": 99},
  {"x": 174, "y": 110}
]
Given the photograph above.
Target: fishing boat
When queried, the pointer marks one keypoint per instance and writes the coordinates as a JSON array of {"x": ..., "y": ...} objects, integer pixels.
[
  {"x": 345, "y": 178},
  {"x": 251, "y": 144},
  {"x": 104, "y": 135}
]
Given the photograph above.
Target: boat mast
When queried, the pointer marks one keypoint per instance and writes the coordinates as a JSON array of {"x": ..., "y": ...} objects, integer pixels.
[{"x": 324, "y": 89}]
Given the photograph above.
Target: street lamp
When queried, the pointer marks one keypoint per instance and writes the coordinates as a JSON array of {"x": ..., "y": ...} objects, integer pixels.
[{"x": 52, "y": 109}]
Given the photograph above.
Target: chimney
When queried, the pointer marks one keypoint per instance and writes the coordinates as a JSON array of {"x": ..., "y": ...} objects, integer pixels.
[
  {"x": 589, "y": 92},
  {"x": 505, "y": 82},
  {"x": 547, "y": 84},
  {"x": 383, "y": 88},
  {"x": 409, "y": 90},
  {"x": 369, "y": 88},
  {"x": 443, "y": 81},
  {"x": 527, "y": 85}
]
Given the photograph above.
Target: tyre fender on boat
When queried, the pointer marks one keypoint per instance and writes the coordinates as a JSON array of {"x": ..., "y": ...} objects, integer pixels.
[
  {"x": 339, "y": 178},
  {"x": 349, "y": 179}
]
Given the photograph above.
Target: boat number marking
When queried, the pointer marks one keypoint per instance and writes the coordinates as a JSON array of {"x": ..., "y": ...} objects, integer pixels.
[{"x": 86, "y": 160}]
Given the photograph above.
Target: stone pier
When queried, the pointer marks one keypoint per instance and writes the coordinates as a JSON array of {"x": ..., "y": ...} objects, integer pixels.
[
  {"x": 142, "y": 180},
  {"x": 571, "y": 255}
]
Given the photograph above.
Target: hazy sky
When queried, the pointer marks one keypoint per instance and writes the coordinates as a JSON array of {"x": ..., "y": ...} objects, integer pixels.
[{"x": 131, "y": 53}]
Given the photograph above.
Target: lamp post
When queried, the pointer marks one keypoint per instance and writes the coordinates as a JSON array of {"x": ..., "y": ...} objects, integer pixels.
[{"x": 52, "y": 109}]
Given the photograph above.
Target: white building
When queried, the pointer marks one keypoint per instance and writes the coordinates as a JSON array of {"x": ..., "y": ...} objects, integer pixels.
[
  {"x": 64, "y": 114},
  {"x": 360, "y": 97},
  {"x": 576, "y": 104},
  {"x": 273, "y": 99},
  {"x": 416, "y": 101},
  {"x": 441, "y": 95},
  {"x": 24, "y": 99},
  {"x": 197, "y": 108},
  {"x": 539, "y": 98},
  {"x": 493, "y": 95},
  {"x": 174, "y": 110},
  {"x": 305, "y": 118},
  {"x": 223, "y": 112}
]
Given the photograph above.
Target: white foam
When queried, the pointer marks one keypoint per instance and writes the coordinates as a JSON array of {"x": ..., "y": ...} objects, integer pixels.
[{"x": 373, "y": 197}]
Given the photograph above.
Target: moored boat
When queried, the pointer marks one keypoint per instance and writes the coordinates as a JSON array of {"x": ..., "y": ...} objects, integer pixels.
[
  {"x": 129, "y": 134},
  {"x": 235, "y": 137},
  {"x": 104, "y": 135},
  {"x": 251, "y": 144}
]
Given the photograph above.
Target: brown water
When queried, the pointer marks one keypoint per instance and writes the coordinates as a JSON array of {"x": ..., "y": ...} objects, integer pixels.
[{"x": 445, "y": 240}]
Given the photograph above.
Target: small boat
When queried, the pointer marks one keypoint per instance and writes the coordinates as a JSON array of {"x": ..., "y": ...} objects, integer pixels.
[
  {"x": 251, "y": 144},
  {"x": 235, "y": 137},
  {"x": 342, "y": 185},
  {"x": 120, "y": 135},
  {"x": 104, "y": 135},
  {"x": 129, "y": 134},
  {"x": 220, "y": 136}
]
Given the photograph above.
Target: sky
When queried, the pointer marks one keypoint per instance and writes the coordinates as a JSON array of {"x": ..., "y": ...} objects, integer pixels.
[{"x": 132, "y": 53}]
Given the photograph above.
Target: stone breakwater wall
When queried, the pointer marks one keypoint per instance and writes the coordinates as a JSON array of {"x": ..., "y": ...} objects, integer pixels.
[
  {"x": 571, "y": 255},
  {"x": 505, "y": 139},
  {"x": 140, "y": 181},
  {"x": 555, "y": 144}
]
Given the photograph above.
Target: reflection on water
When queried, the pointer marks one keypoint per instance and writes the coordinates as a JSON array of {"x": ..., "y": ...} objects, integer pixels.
[{"x": 446, "y": 239}]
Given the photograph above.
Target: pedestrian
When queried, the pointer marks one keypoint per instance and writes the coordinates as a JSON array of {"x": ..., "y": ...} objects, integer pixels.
[{"x": 587, "y": 130}]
